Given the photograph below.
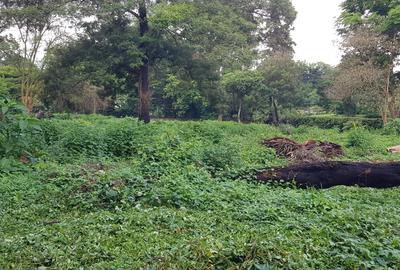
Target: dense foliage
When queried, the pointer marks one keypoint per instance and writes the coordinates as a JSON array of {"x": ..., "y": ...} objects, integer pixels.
[
  {"x": 98, "y": 192},
  {"x": 334, "y": 121},
  {"x": 368, "y": 74},
  {"x": 15, "y": 133},
  {"x": 115, "y": 193},
  {"x": 174, "y": 55}
]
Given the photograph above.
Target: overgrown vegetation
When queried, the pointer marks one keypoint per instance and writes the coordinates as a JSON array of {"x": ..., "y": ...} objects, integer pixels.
[
  {"x": 334, "y": 121},
  {"x": 15, "y": 133},
  {"x": 97, "y": 192},
  {"x": 115, "y": 193}
]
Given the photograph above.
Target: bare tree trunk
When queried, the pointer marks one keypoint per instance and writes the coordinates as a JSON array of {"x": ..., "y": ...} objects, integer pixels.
[
  {"x": 384, "y": 116},
  {"x": 31, "y": 85},
  {"x": 239, "y": 116},
  {"x": 392, "y": 94},
  {"x": 389, "y": 97},
  {"x": 274, "y": 112},
  {"x": 144, "y": 82}
]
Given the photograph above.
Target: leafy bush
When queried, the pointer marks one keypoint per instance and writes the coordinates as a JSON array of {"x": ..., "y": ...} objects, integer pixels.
[
  {"x": 123, "y": 140},
  {"x": 83, "y": 141},
  {"x": 328, "y": 122},
  {"x": 220, "y": 157},
  {"x": 12, "y": 129},
  {"x": 15, "y": 133},
  {"x": 175, "y": 195},
  {"x": 287, "y": 129},
  {"x": 360, "y": 138},
  {"x": 393, "y": 127}
]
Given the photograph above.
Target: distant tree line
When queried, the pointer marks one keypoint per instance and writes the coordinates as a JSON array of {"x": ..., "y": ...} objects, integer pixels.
[{"x": 226, "y": 59}]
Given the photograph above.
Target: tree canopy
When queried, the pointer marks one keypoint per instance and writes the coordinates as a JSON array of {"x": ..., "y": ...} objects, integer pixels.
[
  {"x": 185, "y": 59},
  {"x": 368, "y": 73}
]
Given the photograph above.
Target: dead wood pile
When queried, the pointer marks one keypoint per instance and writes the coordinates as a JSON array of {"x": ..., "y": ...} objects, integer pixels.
[{"x": 310, "y": 151}]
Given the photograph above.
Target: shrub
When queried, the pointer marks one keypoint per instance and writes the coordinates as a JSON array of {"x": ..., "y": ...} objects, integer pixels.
[
  {"x": 332, "y": 121},
  {"x": 123, "y": 140},
  {"x": 207, "y": 131},
  {"x": 360, "y": 138},
  {"x": 219, "y": 157},
  {"x": 351, "y": 125},
  {"x": 392, "y": 128},
  {"x": 287, "y": 129},
  {"x": 83, "y": 141},
  {"x": 15, "y": 129}
]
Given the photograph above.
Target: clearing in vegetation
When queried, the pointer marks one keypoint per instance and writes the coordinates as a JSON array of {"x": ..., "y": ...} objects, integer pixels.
[{"x": 108, "y": 193}]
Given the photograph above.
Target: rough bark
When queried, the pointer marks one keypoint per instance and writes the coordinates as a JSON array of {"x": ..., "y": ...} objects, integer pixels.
[
  {"x": 274, "y": 112},
  {"x": 144, "y": 83},
  {"x": 337, "y": 173},
  {"x": 239, "y": 115}
]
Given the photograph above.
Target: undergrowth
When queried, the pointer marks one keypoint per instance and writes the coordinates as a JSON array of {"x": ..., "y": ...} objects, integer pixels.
[{"x": 107, "y": 193}]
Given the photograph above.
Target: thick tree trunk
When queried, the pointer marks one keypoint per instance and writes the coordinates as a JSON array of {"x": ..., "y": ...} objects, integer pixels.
[
  {"x": 274, "y": 112},
  {"x": 336, "y": 173},
  {"x": 144, "y": 83}
]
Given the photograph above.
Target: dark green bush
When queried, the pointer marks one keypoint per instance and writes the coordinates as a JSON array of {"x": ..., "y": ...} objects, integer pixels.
[
  {"x": 83, "y": 141},
  {"x": 359, "y": 138},
  {"x": 220, "y": 157},
  {"x": 123, "y": 140},
  {"x": 207, "y": 131},
  {"x": 392, "y": 128},
  {"x": 178, "y": 195},
  {"x": 328, "y": 122},
  {"x": 16, "y": 132}
]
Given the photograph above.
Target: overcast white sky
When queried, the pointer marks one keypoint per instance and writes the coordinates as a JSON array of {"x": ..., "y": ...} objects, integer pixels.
[{"x": 315, "y": 33}]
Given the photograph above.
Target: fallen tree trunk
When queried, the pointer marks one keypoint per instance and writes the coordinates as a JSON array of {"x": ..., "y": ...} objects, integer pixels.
[
  {"x": 337, "y": 173},
  {"x": 394, "y": 149}
]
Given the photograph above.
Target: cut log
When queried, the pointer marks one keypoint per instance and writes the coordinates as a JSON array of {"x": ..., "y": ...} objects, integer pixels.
[
  {"x": 394, "y": 149},
  {"x": 336, "y": 173}
]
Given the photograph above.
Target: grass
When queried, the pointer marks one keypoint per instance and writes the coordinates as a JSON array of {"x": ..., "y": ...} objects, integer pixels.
[{"x": 114, "y": 194}]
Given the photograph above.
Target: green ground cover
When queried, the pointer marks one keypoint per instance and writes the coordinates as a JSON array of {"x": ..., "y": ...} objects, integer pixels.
[{"x": 109, "y": 193}]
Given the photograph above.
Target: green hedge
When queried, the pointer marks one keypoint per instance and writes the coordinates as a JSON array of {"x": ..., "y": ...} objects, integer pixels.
[{"x": 340, "y": 122}]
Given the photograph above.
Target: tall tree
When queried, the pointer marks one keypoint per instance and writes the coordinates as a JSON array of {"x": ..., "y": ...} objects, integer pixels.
[
  {"x": 144, "y": 83},
  {"x": 274, "y": 20},
  {"x": 283, "y": 81},
  {"x": 210, "y": 30},
  {"x": 35, "y": 26},
  {"x": 371, "y": 32},
  {"x": 241, "y": 84},
  {"x": 105, "y": 56},
  {"x": 319, "y": 76},
  {"x": 138, "y": 12}
]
